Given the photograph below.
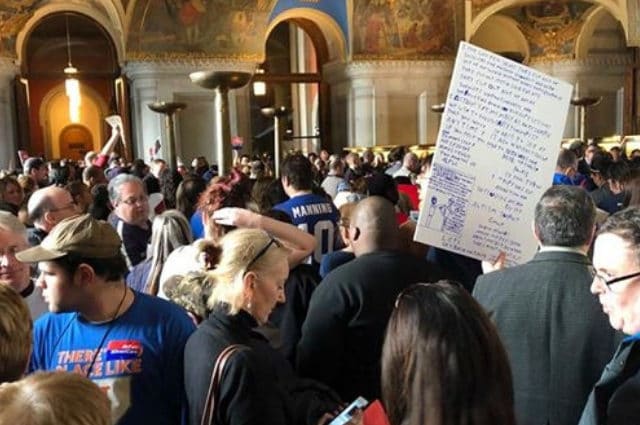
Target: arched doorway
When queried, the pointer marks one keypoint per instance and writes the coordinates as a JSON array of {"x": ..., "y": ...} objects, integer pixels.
[
  {"x": 292, "y": 72},
  {"x": 54, "y": 44},
  {"x": 75, "y": 141}
]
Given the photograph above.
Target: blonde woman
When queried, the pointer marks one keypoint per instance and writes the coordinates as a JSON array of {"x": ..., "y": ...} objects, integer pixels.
[
  {"x": 16, "y": 335},
  {"x": 49, "y": 398},
  {"x": 221, "y": 207},
  {"x": 258, "y": 384}
]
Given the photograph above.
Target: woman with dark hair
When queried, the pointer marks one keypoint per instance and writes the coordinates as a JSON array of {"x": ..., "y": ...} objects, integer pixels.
[
  {"x": 169, "y": 180},
  {"x": 81, "y": 195},
  {"x": 188, "y": 193},
  {"x": 632, "y": 189},
  {"x": 101, "y": 207},
  {"x": 11, "y": 195},
  {"x": 443, "y": 362}
]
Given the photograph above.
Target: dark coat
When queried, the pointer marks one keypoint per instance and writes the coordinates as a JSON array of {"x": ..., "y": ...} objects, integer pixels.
[
  {"x": 289, "y": 316},
  {"x": 615, "y": 399},
  {"x": 556, "y": 335},
  {"x": 342, "y": 337},
  {"x": 258, "y": 384}
]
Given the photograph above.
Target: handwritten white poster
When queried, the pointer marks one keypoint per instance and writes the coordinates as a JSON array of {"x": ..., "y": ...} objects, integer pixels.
[{"x": 496, "y": 153}]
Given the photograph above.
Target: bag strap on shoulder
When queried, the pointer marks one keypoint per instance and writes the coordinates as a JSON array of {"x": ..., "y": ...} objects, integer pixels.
[{"x": 214, "y": 385}]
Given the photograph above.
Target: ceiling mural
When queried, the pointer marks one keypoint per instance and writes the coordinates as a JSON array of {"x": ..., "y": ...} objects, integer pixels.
[
  {"x": 166, "y": 29},
  {"x": 551, "y": 28},
  {"x": 403, "y": 29},
  {"x": 13, "y": 15}
]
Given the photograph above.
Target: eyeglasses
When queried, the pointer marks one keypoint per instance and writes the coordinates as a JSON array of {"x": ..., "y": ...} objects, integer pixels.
[
  {"x": 141, "y": 200},
  {"x": 263, "y": 251},
  {"x": 608, "y": 283}
]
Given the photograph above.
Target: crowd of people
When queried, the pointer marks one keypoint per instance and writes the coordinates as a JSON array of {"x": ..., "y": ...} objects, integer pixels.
[{"x": 136, "y": 293}]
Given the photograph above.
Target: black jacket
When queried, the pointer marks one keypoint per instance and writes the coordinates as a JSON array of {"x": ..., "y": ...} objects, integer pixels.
[
  {"x": 289, "y": 316},
  {"x": 258, "y": 385},
  {"x": 342, "y": 336},
  {"x": 615, "y": 397}
]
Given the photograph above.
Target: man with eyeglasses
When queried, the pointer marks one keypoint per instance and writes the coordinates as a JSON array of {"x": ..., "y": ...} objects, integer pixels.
[
  {"x": 554, "y": 331},
  {"x": 14, "y": 274},
  {"x": 46, "y": 208},
  {"x": 130, "y": 216},
  {"x": 615, "y": 398}
]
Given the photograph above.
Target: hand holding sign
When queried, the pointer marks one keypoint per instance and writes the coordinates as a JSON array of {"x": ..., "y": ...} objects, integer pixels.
[{"x": 115, "y": 121}]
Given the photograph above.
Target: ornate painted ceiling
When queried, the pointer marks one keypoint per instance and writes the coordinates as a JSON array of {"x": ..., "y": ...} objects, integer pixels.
[
  {"x": 13, "y": 15},
  {"x": 551, "y": 28},
  {"x": 377, "y": 29}
]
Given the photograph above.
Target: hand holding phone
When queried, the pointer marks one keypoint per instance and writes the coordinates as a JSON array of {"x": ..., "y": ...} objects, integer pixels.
[{"x": 347, "y": 414}]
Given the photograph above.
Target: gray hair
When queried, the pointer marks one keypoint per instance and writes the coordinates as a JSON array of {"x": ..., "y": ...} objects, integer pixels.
[
  {"x": 10, "y": 223},
  {"x": 565, "y": 216},
  {"x": 118, "y": 181}
]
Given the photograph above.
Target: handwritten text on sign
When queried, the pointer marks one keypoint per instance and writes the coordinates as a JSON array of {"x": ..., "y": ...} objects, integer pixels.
[{"x": 496, "y": 153}]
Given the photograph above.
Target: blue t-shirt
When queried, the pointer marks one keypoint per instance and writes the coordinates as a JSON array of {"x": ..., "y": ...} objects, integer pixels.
[
  {"x": 333, "y": 260},
  {"x": 197, "y": 225},
  {"x": 315, "y": 215},
  {"x": 140, "y": 362},
  {"x": 562, "y": 179}
]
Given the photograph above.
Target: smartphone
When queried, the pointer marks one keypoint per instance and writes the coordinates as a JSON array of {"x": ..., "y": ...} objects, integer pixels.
[{"x": 346, "y": 415}]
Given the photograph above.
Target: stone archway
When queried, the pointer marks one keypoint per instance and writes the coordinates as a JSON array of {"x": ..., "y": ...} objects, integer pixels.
[
  {"x": 322, "y": 28},
  {"x": 104, "y": 12}
]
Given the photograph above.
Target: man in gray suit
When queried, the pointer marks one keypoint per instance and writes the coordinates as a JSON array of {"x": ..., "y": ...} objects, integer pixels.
[{"x": 555, "y": 333}]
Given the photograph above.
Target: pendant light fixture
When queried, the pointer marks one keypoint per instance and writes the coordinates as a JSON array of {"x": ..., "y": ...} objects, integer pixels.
[{"x": 72, "y": 85}]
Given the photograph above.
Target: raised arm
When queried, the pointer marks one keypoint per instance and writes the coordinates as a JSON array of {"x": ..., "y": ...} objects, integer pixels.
[
  {"x": 111, "y": 143},
  {"x": 300, "y": 242}
]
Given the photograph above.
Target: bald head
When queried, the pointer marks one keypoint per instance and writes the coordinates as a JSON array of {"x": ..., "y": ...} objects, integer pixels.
[
  {"x": 374, "y": 226},
  {"x": 410, "y": 161},
  {"x": 50, "y": 205}
]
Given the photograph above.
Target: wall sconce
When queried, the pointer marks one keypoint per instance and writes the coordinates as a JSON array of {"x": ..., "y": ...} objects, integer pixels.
[{"x": 259, "y": 87}]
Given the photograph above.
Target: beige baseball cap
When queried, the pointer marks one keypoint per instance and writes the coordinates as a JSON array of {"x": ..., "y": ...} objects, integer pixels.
[{"x": 83, "y": 235}]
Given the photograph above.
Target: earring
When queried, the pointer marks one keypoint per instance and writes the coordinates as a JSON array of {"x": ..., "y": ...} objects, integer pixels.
[{"x": 249, "y": 305}]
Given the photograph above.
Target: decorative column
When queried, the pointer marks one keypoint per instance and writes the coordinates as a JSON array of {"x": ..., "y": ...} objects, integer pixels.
[
  {"x": 277, "y": 114},
  {"x": 8, "y": 72},
  {"x": 221, "y": 82},
  {"x": 383, "y": 102},
  {"x": 583, "y": 103},
  {"x": 152, "y": 81},
  {"x": 438, "y": 108},
  {"x": 169, "y": 109}
]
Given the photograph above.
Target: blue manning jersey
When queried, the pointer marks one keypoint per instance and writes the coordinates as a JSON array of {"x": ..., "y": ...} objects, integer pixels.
[{"x": 316, "y": 215}]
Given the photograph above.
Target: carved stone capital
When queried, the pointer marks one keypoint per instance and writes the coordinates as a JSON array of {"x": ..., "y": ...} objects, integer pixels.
[
  {"x": 386, "y": 69},
  {"x": 8, "y": 68},
  {"x": 171, "y": 69},
  {"x": 601, "y": 65}
]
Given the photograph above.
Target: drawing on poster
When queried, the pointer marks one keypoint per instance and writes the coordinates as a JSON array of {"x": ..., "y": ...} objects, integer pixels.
[{"x": 496, "y": 151}]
